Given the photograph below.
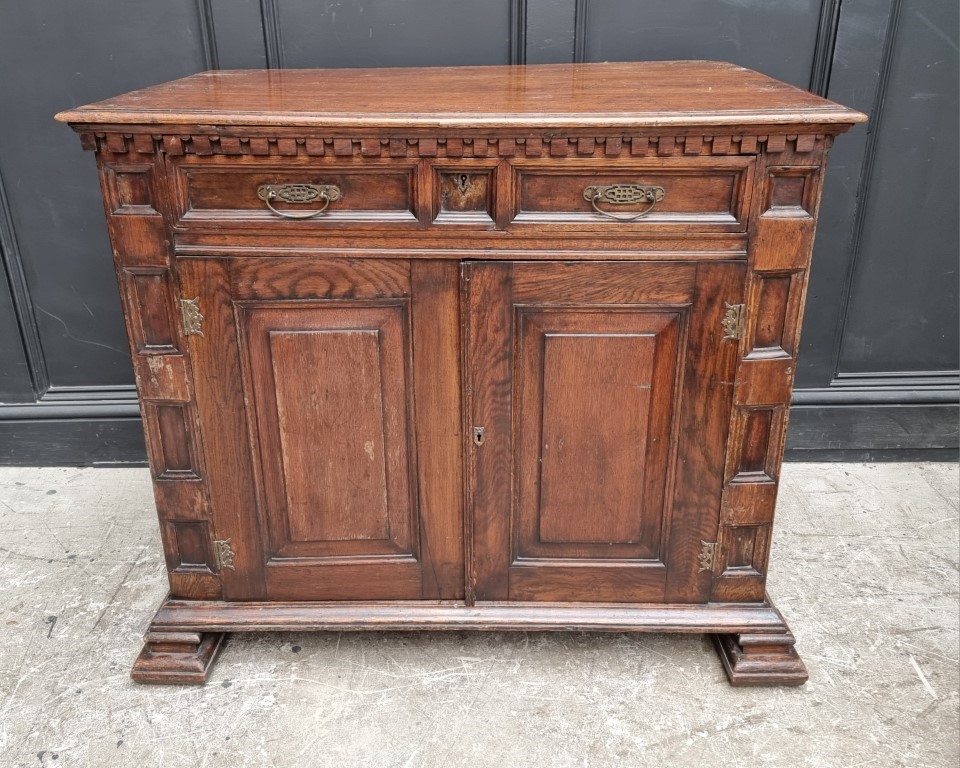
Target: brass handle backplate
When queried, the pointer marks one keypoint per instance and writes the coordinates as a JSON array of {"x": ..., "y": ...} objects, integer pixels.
[
  {"x": 298, "y": 193},
  {"x": 623, "y": 194}
]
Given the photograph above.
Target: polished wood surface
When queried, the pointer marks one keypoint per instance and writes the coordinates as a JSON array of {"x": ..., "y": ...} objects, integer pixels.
[
  {"x": 603, "y": 397},
  {"x": 636, "y": 94},
  {"x": 459, "y": 396}
]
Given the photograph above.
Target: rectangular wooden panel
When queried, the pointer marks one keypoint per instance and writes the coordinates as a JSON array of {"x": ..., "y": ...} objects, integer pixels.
[
  {"x": 150, "y": 310},
  {"x": 595, "y": 411},
  {"x": 437, "y": 391},
  {"x": 128, "y": 189},
  {"x": 225, "y": 188},
  {"x": 192, "y": 541},
  {"x": 170, "y": 439},
  {"x": 487, "y": 367},
  {"x": 332, "y": 442},
  {"x": 590, "y": 389},
  {"x": 596, "y": 395},
  {"x": 330, "y": 383},
  {"x": 318, "y": 363},
  {"x": 754, "y": 447},
  {"x": 696, "y": 195},
  {"x": 771, "y": 304}
]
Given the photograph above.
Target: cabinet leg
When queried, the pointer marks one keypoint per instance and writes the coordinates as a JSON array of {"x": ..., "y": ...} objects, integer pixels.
[
  {"x": 761, "y": 659},
  {"x": 177, "y": 657}
]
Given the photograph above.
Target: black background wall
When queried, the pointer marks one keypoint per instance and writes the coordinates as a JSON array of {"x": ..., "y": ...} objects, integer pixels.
[{"x": 878, "y": 375}]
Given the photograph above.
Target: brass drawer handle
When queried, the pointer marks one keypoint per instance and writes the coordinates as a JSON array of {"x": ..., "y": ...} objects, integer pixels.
[
  {"x": 623, "y": 194},
  {"x": 298, "y": 193}
]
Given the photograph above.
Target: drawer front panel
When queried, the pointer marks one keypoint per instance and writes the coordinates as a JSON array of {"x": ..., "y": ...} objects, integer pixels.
[
  {"x": 367, "y": 195},
  {"x": 668, "y": 194}
]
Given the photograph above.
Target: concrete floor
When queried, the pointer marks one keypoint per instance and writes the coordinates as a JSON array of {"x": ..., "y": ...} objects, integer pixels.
[{"x": 864, "y": 566}]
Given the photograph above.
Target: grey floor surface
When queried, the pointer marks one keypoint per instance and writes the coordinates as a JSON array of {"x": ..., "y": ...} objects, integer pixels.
[{"x": 864, "y": 566}]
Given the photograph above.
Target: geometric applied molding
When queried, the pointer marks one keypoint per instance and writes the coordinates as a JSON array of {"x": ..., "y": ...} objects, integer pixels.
[
  {"x": 129, "y": 190},
  {"x": 791, "y": 191}
]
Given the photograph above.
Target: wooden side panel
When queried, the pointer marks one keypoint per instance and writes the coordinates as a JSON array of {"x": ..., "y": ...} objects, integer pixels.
[
  {"x": 136, "y": 200},
  {"x": 780, "y": 248}
]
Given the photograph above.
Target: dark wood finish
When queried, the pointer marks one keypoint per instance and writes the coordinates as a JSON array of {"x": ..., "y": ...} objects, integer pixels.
[
  {"x": 741, "y": 618},
  {"x": 701, "y": 196},
  {"x": 325, "y": 366},
  {"x": 462, "y": 398},
  {"x": 177, "y": 657},
  {"x": 222, "y": 189},
  {"x": 610, "y": 379}
]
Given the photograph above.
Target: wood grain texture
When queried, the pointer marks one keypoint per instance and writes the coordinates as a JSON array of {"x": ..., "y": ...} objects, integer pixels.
[
  {"x": 435, "y": 288},
  {"x": 330, "y": 387},
  {"x": 185, "y": 616},
  {"x": 537, "y": 304},
  {"x": 593, "y": 429},
  {"x": 463, "y": 398},
  {"x": 637, "y": 94},
  {"x": 177, "y": 657},
  {"x": 488, "y": 364}
]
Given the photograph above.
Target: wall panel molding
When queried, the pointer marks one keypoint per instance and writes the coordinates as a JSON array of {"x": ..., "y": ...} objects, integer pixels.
[
  {"x": 22, "y": 301},
  {"x": 866, "y": 176},
  {"x": 853, "y": 56},
  {"x": 825, "y": 46},
  {"x": 208, "y": 35},
  {"x": 580, "y": 18},
  {"x": 518, "y": 31},
  {"x": 272, "y": 41}
]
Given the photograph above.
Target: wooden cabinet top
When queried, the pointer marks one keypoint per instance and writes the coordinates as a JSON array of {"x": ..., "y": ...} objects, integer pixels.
[{"x": 638, "y": 94}]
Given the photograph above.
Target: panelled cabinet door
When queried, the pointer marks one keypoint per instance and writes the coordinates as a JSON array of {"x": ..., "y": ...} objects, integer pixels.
[
  {"x": 344, "y": 486},
  {"x": 598, "y": 396}
]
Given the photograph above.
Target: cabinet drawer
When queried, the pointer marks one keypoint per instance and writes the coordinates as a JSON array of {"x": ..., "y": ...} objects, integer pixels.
[
  {"x": 666, "y": 194},
  {"x": 272, "y": 193}
]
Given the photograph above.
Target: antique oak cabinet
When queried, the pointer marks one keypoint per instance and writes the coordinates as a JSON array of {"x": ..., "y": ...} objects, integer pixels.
[{"x": 498, "y": 348}]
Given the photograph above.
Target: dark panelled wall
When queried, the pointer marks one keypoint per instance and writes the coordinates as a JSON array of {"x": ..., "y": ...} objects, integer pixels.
[{"x": 878, "y": 376}]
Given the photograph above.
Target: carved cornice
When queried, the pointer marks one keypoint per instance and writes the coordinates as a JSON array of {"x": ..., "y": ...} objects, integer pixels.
[{"x": 376, "y": 146}]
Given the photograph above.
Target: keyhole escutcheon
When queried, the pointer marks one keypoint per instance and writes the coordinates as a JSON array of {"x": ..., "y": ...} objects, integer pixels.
[{"x": 479, "y": 435}]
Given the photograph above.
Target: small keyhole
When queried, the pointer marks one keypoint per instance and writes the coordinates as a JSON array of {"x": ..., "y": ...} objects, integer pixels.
[
  {"x": 463, "y": 182},
  {"x": 479, "y": 434}
]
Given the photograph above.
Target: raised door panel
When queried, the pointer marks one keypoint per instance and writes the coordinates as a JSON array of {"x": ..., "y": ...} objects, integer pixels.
[
  {"x": 332, "y": 410},
  {"x": 595, "y": 415},
  {"x": 603, "y": 392},
  {"x": 336, "y": 386}
]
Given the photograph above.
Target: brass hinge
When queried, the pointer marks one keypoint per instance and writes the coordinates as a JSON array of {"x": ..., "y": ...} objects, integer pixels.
[
  {"x": 708, "y": 555},
  {"x": 191, "y": 317},
  {"x": 732, "y": 321},
  {"x": 224, "y": 554}
]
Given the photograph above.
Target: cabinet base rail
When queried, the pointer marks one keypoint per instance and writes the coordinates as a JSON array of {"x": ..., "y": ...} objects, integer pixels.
[{"x": 753, "y": 640}]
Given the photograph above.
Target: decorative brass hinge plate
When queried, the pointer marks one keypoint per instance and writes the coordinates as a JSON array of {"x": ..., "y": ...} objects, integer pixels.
[
  {"x": 733, "y": 321},
  {"x": 191, "y": 317},
  {"x": 224, "y": 554},
  {"x": 708, "y": 555}
]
